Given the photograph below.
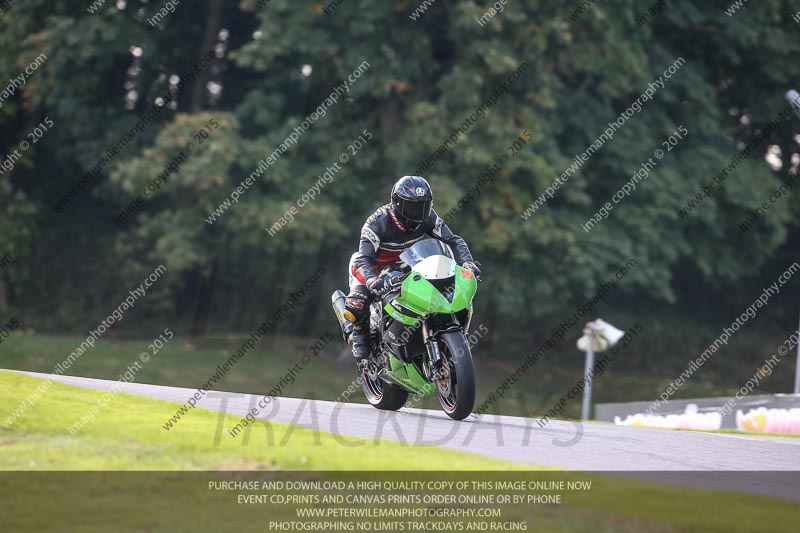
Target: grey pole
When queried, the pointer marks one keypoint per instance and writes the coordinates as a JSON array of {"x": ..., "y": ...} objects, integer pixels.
[
  {"x": 793, "y": 97},
  {"x": 587, "y": 391},
  {"x": 797, "y": 368}
]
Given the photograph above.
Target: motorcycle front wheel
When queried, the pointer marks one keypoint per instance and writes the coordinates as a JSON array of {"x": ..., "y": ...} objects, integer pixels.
[{"x": 456, "y": 389}]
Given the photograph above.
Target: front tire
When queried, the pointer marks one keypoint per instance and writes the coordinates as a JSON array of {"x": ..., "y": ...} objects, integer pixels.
[
  {"x": 382, "y": 395},
  {"x": 456, "y": 392}
]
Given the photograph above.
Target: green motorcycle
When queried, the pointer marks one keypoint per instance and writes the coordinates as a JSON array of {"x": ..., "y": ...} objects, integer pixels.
[{"x": 417, "y": 333}]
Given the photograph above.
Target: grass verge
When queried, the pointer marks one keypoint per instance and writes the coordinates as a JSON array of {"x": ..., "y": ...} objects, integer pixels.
[
  {"x": 189, "y": 363},
  {"x": 127, "y": 435}
]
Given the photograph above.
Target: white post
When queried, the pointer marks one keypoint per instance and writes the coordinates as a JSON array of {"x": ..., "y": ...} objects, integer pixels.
[
  {"x": 599, "y": 330},
  {"x": 587, "y": 391}
]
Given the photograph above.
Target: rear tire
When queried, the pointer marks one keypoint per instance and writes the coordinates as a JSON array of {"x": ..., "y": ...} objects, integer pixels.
[
  {"x": 457, "y": 398},
  {"x": 382, "y": 395}
]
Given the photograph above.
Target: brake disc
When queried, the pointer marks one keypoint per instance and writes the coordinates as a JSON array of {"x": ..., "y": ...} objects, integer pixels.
[{"x": 444, "y": 380}]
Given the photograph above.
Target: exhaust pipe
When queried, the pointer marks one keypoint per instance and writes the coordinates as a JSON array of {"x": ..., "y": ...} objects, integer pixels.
[{"x": 338, "y": 302}]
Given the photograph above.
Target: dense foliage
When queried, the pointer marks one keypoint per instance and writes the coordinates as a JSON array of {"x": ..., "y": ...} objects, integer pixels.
[{"x": 274, "y": 66}]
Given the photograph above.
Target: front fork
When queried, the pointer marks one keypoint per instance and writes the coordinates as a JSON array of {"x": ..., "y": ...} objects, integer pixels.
[{"x": 434, "y": 366}]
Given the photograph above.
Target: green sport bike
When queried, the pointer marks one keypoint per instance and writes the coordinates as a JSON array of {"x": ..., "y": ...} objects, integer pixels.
[{"x": 417, "y": 333}]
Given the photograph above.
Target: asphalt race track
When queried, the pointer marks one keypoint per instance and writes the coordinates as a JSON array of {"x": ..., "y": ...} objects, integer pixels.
[{"x": 750, "y": 464}]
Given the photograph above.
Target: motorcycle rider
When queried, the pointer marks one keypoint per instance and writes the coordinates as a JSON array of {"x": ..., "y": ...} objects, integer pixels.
[{"x": 388, "y": 232}]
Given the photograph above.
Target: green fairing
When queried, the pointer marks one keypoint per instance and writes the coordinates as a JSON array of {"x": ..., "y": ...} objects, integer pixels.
[
  {"x": 400, "y": 317},
  {"x": 407, "y": 375},
  {"x": 422, "y": 298}
]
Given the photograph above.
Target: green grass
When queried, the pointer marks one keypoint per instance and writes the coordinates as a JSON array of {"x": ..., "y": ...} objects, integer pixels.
[
  {"x": 189, "y": 363},
  {"x": 127, "y": 435}
]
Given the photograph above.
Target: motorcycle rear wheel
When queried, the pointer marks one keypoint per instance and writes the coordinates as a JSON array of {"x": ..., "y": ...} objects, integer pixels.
[{"x": 382, "y": 395}]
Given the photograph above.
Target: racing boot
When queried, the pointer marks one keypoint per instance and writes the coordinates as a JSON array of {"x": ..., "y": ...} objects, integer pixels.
[
  {"x": 360, "y": 342},
  {"x": 357, "y": 312}
]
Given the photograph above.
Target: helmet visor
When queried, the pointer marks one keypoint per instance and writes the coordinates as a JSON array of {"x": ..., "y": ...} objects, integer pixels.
[{"x": 415, "y": 212}]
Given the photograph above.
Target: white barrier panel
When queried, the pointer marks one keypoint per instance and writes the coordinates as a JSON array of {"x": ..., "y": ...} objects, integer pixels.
[
  {"x": 763, "y": 420},
  {"x": 690, "y": 419}
]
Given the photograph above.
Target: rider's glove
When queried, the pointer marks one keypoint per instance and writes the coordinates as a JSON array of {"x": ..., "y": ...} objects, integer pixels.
[
  {"x": 469, "y": 265},
  {"x": 376, "y": 285}
]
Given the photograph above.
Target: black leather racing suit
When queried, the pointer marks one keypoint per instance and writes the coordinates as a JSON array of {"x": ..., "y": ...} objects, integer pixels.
[{"x": 383, "y": 239}]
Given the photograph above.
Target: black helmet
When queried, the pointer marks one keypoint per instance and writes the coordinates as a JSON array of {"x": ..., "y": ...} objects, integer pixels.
[{"x": 412, "y": 199}]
